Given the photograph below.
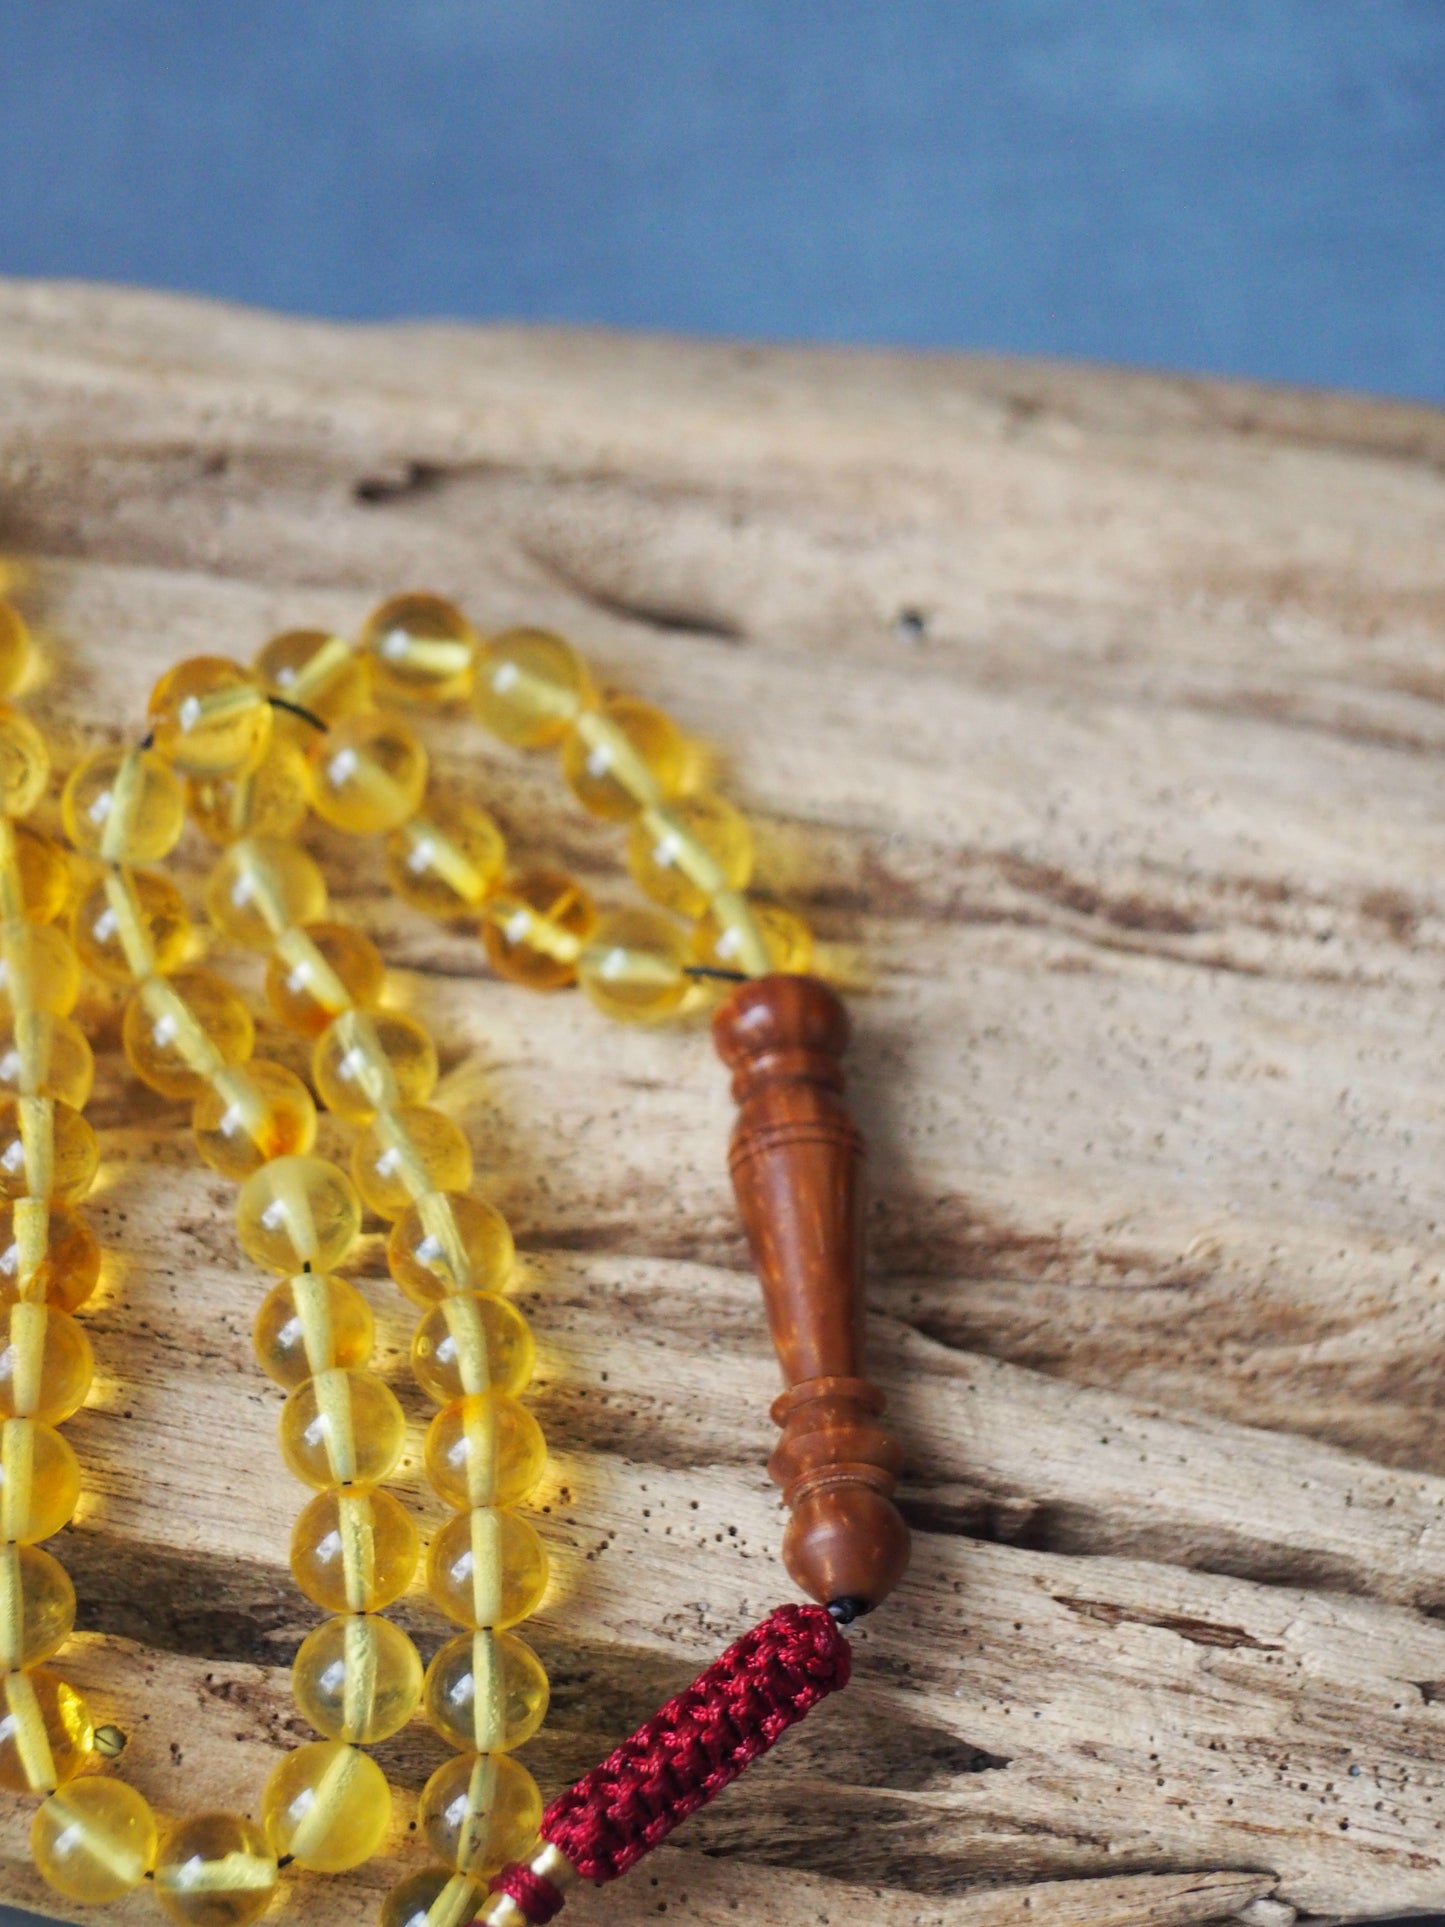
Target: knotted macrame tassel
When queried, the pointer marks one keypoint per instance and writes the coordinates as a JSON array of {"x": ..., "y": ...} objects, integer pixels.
[{"x": 676, "y": 1762}]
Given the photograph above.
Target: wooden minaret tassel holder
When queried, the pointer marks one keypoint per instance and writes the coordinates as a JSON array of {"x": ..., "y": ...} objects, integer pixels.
[{"x": 796, "y": 1161}]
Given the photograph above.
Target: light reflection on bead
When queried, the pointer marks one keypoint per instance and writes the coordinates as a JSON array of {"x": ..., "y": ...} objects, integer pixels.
[
  {"x": 484, "y": 1450},
  {"x": 124, "y": 806},
  {"x": 719, "y": 942},
  {"x": 369, "y": 1059},
  {"x": 400, "y": 1156},
  {"x": 486, "y": 1692},
  {"x": 472, "y": 1343},
  {"x": 530, "y": 685},
  {"x": 435, "y": 1897},
  {"x": 250, "y": 1115},
  {"x": 46, "y": 1364},
  {"x": 215, "y": 1870},
  {"x": 260, "y": 887},
  {"x": 95, "y": 1840},
  {"x": 419, "y": 647},
  {"x": 42, "y": 1055},
  {"x": 70, "y": 1267},
  {"x": 46, "y": 1732},
  {"x": 354, "y": 1551},
  {"x": 633, "y": 966},
  {"x": 210, "y": 717},
  {"x": 480, "y": 1811},
  {"x": 368, "y": 773},
  {"x": 47, "y": 1150},
  {"x": 624, "y": 757},
  {"x": 445, "y": 860},
  {"x": 326, "y": 1806},
  {"x": 179, "y": 1031},
  {"x": 316, "y": 972},
  {"x": 128, "y": 918},
  {"x": 342, "y": 1428},
  {"x": 312, "y": 1323},
  {"x": 685, "y": 852},
  {"x": 37, "y": 1606},
  {"x": 487, "y": 1567},
  {"x": 534, "y": 928},
  {"x": 318, "y": 672},
  {"x": 298, "y": 1211},
  {"x": 446, "y": 1243},
  {"x": 357, "y": 1678}
]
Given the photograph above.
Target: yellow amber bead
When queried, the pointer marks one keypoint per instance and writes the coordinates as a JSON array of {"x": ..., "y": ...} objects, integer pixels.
[
  {"x": 634, "y": 966},
  {"x": 685, "y": 852},
  {"x": 262, "y": 886},
  {"x": 47, "y": 1150},
  {"x": 69, "y": 1267},
  {"x": 368, "y": 773},
  {"x": 124, "y": 806},
  {"x": 534, "y": 928},
  {"x": 342, "y": 1428},
  {"x": 480, "y": 1811},
  {"x": 42, "y": 1055},
  {"x": 530, "y": 685},
  {"x": 354, "y": 1551},
  {"x": 721, "y": 942},
  {"x": 326, "y": 1806},
  {"x": 24, "y": 763},
  {"x": 446, "y": 1243},
  {"x": 366, "y": 1060},
  {"x": 312, "y": 1323},
  {"x": 39, "y": 969},
  {"x": 37, "y": 1606},
  {"x": 131, "y": 924},
  {"x": 15, "y": 647},
  {"x": 210, "y": 717},
  {"x": 435, "y": 1897},
  {"x": 270, "y": 800},
  {"x": 43, "y": 869},
  {"x": 251, "y": 1114},
  {"x": 446, "y": 859},
  {"x": 624, "y": 757},
  {"x": 94, "y": 1841},
  {"x": 296, "y": 1212},
  {"x": 46, "y": 1365},
  {"x": 487, "y": 1567},
  {"x": 39, "y": 1481},
  {"x": 484, "y": 1450},
  {"x": 420, "y": 648},
  {"x": 357, "y": 1678},
  {"x": 486, "y": 1692},
  {"x": 215, "y": 1870},
  {"x": 317, "y": 671},
  {"x": 46, "y": 1732},
  {"x": 180, "y": 1030},
  {"x": 472, "y": 1343},
  {"x": 316, "y": 972},
  {"x": 400, "y": 1156}
]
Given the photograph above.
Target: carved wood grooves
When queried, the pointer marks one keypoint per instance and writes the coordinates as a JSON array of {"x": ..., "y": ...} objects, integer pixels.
[{"x": 796, "y": 1160}]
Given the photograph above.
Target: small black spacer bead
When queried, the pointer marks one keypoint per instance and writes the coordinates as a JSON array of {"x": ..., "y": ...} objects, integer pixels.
[{"x": 845, "y": 1611}]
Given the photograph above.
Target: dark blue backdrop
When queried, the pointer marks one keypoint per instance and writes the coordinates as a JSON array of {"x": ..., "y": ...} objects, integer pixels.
[{"x": 1256, "y": 188}]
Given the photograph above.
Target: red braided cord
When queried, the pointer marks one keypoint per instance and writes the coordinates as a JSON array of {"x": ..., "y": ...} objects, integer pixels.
[{"x": 537, "y": 1898}]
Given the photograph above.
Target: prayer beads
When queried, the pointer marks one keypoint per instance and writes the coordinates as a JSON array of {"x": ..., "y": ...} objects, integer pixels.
[
  {"x": 368, "y": 773},
  {"x": 354, "y": 1551},
  {"x": 215, "y": 1870},
  {"x": 210, "y": 717},
  {"x": 357, "y": 1678},
  {"x": 479, "y": 1811},
  {"x": 420, "y": 647},
  {"x": 94, "y": 1840},
  {"x": 37, "y": 1606},
  {"x": 124, "y": 806},
  {"x": 326, "y": 1806},
  {"x": 486, "y": 1692}
]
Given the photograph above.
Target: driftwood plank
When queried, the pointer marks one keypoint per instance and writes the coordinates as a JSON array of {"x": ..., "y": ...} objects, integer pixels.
[{"x": 1096, "y": 721}]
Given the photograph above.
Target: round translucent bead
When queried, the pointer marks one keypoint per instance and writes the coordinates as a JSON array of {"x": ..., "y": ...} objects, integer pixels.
[
  {"x": 634, "y": 966},
  {"x": 320, "y": 970},
  {"x": 720, "y": 942},
  {"x": 685, "y": 852},
  {"x": 317, "y": 671},
  {"x": 420, "y": 648},
  {"x": 535, "y": 927},
  {"x": 178, "y": 1032},
  {"x": 260, "y": 887},
  {"x": 472, "y": 1343},
  {"x": 215, "y": 1870},
  {"x": 480, "y": 1811},
  {"x": 312, "y": 1323},
  {"x": 399, "y": 1156},
  {"x": 15, "y": 647},
  {"x": 39, "y": 969},
  {"x": 42, "y": 1055},
  {"x": 435, "y": 1897},
  {"x": 342, "y": 1428},
  {"x": 125, "y": 806},
  {"x": 39, "y": 1481},
  {"x": 484, "y": 1450},
  {"x": 296, "y": 1212},
  {"x": 95, "y": 1840},
  {"x": 37, "y": 1607},
  {"x": 529, "y": 686},
  {"x": 47, "y": 1150},
  {"x": 326, "y": 1806},
  {"x": 210, "y": 717},
  {"x": 270, "y": 800},
  {"x": 43, "y": 870},
  {"x": 354, "y": 1551},
  {"x": 357, "y": 1678},
  {"x": 368, "y": 773},
  {"x": 445, "y": 1243},
  {"x": 46, "y": 1365},
  {"x": 369, "y": 1059},
  {"x": 46, "y": 1732},
  {"x": 135, "y": 917},
  {"x": 251, "y": 1115},
  {"x": 70, "y": 1269},
  {"x": 487, "y": 1567},
  {"x": 24, "y": 763},
  {"x": 445, "y": 860},
  {"x": 486, "y": 1692},
  {"x": 624, "y": 757}
]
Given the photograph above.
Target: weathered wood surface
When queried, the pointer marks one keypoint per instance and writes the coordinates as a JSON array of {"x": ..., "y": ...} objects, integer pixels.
[{"x": 1099, "y": 719}]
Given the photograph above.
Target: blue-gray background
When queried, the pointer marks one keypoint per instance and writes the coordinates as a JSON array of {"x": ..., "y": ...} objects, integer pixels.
[{"x": 1257, "y": 188}]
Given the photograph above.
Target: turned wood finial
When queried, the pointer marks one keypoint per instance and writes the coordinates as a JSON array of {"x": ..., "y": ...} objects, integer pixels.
[{"x": 796, "y": 1161}]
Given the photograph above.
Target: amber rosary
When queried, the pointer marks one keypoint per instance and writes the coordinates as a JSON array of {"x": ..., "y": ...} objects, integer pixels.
[{"x": 246, "y": 753}]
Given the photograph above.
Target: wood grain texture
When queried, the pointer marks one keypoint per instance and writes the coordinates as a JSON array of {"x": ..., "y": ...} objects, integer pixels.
[{"x": 1098, "y": 721}]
